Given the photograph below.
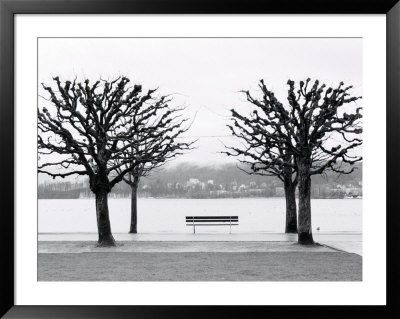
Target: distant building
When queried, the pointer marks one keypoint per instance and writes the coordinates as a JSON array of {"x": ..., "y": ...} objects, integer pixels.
[
  {"x": 353, "y": 191},
  {"x": 178, "y": 186},
  {"x": 193, "y": 182}
]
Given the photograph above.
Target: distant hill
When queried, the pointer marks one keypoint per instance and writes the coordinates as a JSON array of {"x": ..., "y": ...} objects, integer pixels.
[
  {"x": 200, "y": 181},
  {"x": 229, "y": 172}
]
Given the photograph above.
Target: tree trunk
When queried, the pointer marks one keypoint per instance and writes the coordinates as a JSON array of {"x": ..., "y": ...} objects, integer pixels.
[
  {"x": 305, "y": 230},
  {"x": 291, "y": 210},
  {"x": 133, "y": 227},
  {"x": 103, "y": 220}
]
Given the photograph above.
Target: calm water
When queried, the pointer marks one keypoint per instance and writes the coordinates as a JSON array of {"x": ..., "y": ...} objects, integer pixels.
[{"x": 168, "y": 215}]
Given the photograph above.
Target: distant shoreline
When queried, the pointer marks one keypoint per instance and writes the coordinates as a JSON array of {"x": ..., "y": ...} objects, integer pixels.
[{"x": 147, "y": 197}]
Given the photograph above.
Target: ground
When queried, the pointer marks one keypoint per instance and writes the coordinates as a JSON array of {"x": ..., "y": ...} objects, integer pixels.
[{"x": 195, "y": 261}]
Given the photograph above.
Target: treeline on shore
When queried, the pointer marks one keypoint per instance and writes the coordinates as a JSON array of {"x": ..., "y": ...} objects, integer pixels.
[{"x": 192, "y": 181}]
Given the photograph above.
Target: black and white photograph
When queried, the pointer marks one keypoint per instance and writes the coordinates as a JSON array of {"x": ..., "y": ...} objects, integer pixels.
[{"x": 200, "y": 159}]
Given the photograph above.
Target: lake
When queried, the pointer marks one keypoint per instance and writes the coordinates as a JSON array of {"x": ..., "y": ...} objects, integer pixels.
[{"x": 168, "y": 215}]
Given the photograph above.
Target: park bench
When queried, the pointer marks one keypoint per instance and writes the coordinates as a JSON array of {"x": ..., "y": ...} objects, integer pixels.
[{"x": 212, "y": 221}]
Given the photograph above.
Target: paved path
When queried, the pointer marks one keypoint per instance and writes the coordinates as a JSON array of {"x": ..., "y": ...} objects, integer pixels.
[
  {"x": 71, "y": 247},
  {"x": 346, "y": 241},
  {"x": 354, "y": 247}
]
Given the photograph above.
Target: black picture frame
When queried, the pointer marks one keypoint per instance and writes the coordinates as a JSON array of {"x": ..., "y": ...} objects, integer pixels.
[{"x": 9, "y": 8}]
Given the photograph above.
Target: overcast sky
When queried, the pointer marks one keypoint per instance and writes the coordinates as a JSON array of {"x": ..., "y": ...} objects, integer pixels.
[{"x": 205, "y": 74}]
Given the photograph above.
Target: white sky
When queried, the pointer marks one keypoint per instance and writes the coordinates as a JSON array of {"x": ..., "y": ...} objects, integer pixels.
[{"x": 205, "y": 73}]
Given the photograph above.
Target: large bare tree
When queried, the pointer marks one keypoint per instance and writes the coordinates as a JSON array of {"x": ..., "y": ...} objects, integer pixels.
[
  {"x": 150, "y": 151},
  {"x": 89, "y": 127},
  {"x": 326, "y": 131},
  {"x": 319, "y": 127}
]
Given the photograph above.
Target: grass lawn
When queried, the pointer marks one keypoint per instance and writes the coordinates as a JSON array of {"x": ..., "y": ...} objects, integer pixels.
[{"x": 200, "y": 266}]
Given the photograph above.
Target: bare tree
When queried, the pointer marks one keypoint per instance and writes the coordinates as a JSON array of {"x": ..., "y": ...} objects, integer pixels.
[
  {"x": 89, "y": 126},
  {"x": 327, "y": 133},
  {"x": 263, "y": 151},
  {"x": 320, "y": 129},
  {"x": 153, "y": 150}
]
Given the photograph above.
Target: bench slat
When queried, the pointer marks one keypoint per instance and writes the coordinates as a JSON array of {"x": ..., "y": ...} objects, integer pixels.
[
  {"x": 213, "y": 224},
  {"x": 211, "y": 220},
  {"x": 211, "y": 217}
]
